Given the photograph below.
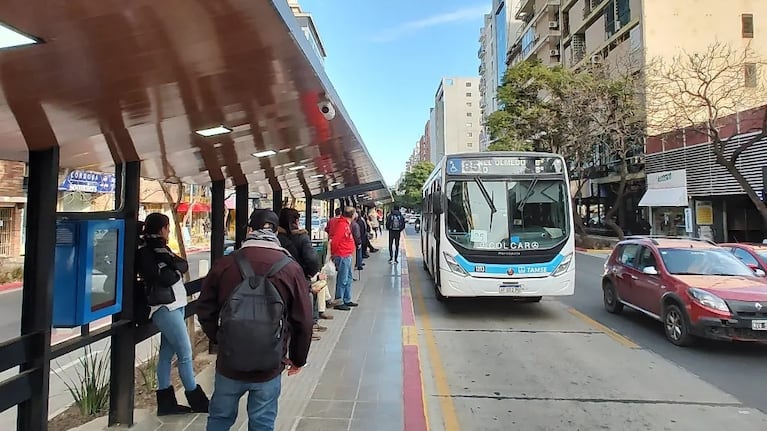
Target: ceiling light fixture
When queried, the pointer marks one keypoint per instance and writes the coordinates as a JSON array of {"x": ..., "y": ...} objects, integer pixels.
[
  {"x": 266, "y": 153},
  {"x": 213, "y": 131},
  {"x": 335, "y": 184},
  {"x": 11, "y": 38},
  {"x": 298, "y": 168},
  {"x": 318, "y": 176}
]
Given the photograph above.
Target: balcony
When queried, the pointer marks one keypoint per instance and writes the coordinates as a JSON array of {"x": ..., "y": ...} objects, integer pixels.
[{"x": 525, "y": 10}]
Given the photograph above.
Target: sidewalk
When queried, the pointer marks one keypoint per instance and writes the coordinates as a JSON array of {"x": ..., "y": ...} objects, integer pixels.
[{"x": 354, "y": 376}]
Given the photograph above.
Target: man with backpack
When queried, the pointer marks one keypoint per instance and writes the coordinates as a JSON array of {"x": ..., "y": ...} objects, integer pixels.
[
  {"x": 254, "y": 305},
  {"x": 395, "y": 224}
]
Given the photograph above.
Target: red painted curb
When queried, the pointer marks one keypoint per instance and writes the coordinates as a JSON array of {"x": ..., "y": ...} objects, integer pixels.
[
  {"x": 11, "y": 286},
  {"x": 415, "y": 419}
]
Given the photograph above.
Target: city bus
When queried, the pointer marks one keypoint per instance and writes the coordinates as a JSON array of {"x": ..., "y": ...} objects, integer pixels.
[{"x": 499, "y": 224}]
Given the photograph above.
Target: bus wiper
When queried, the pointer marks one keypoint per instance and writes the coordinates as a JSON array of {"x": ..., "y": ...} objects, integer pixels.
[
  {"x": 488, "y": 199},
  {"x": 529, "y": 193}
]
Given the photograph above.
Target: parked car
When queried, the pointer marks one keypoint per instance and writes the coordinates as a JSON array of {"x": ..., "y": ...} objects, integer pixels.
[
  {"x": 753, "y": 255},
  {"x": 695, "y": 288}
]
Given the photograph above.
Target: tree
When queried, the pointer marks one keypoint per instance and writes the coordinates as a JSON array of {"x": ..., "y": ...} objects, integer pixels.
[
  {"x": 569, "y": 113},
  {"x": 696, "y": 91},
  {"x": 409, "y": 194},
  {"x": 617, "y": 115}
]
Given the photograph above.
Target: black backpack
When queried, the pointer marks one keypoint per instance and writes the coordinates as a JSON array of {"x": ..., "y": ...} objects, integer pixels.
[
  {"x": 397, "y": 222},
  {"x": 251, "y": 334}
]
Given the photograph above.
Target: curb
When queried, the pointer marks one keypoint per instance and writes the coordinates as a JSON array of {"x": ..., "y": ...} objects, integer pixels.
[
  {"x": 414, "y": 410},
  {"x": 593, "y": 250},
  {"x": 16, "y": 285}
]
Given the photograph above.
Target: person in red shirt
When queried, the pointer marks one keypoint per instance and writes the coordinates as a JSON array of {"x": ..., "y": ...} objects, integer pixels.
[{"x": 342, "y": 249}]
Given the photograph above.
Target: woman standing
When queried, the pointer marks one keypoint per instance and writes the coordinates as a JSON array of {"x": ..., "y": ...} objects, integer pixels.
[
  {"x": 373, "y": 222},
  {"x": 296, "y": 241},
  {"x": 162, "y": 270}
]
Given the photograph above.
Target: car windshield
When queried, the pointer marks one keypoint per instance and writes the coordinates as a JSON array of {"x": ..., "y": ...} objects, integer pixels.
[
  {"x": 762, "y": 254},
  {"x": 502, "y": 215},
  {"x": 712, "y": 261}
]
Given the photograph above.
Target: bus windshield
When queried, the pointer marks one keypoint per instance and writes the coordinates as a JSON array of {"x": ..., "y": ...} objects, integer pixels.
[{"x": 490, "y": 214}]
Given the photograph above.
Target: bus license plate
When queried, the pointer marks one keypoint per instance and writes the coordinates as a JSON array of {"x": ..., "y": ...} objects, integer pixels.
[
  {"x": 506, "y": 289},
  {"x": 759, "y": 325}
]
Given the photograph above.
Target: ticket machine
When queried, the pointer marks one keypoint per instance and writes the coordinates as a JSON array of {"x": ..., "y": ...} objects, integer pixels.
[{"x": 88, "y": 271}]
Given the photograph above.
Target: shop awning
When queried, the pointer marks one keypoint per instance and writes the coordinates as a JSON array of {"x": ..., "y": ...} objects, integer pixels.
[
  {"x": 671, "y": 197},
  {"x": 197, "y": 207}
]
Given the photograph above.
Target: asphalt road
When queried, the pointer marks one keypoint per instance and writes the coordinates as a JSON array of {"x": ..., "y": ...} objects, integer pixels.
[
  {"x": 733, "y": 367},
  {"x": 66, "y": 368},
  {"x": 495, "y": 364}
]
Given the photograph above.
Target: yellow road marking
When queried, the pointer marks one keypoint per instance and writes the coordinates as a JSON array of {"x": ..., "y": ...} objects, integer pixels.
[
  {"x": 609, "y": 332},
  {"x": 446, "y": 405},
  {"x": 409, "y": 336}
]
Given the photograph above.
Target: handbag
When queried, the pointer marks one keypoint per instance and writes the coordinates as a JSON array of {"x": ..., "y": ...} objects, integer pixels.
[{"x": 157, "y": 294}]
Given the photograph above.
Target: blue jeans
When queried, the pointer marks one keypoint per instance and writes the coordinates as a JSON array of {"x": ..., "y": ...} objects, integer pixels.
[
  {"x": 262, "y": 403},
  {"x": 344, "y": 278},
  {"x": 173, "y": 340}
]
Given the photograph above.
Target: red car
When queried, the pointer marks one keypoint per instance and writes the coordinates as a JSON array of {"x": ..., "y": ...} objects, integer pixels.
[
  {"x": 693, "y": 287},
  {"x": 753, "y": 255}
]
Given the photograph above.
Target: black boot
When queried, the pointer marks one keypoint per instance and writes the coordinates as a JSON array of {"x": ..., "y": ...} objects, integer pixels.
[
  {"x": 197, "y": 400},
  {"x": 167, "y": 404}
]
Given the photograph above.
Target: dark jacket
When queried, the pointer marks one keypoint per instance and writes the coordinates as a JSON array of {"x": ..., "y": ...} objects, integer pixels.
[
  {"x": 290, "y": 282},
  {"x": 298, "y": 243},
  {"x": 156, "y": 263},
  {"x": 357, "y": 233}
]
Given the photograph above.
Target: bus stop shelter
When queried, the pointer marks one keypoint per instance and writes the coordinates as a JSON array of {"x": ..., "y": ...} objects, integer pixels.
[{"x": 224, "y": 93}]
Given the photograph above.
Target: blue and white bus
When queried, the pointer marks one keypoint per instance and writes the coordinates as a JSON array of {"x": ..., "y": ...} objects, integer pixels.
[{"x": 499, "y": 224}]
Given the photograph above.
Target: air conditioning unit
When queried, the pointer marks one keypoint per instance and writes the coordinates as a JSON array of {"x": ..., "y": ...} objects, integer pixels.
[
  {"x": 554, "y": 53},
  {"x": 553, "y": 25}
]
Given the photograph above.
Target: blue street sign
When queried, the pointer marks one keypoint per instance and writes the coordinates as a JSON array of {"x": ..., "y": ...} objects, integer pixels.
[
  {"x": 454, "y": 166},
  {"x": 90, "y": 182}
]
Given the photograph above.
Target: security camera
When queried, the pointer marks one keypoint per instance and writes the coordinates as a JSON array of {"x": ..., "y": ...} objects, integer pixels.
[{"x": 327, "y": 110}]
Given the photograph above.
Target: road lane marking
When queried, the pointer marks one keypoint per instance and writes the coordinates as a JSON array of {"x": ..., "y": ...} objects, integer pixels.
[
  {"x": 607, "y": 331},
  {"x": 449, "y": 415}
]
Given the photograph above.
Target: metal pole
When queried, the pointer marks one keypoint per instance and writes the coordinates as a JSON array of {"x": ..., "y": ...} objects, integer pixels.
[
  {"x": 241, "y": 223},
  {"x": 308, "y": 215},
  {"x": 276, "y": 200},
  {"x": 37, "y": 299},
  {"x": 122, "y": 385},
  {"x": 217, "y": 232}
]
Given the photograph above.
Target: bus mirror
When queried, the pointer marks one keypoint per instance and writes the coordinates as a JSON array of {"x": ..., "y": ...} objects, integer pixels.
[{"x": 437, "y": 204}]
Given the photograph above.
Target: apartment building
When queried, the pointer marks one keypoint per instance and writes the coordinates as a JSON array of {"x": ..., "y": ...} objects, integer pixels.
[
  {"x": 457, "y": 117},
  {"x": 540, "y": 34},
  {"x": 497, "y": 34},
  {"x": 425, "y": 144}
]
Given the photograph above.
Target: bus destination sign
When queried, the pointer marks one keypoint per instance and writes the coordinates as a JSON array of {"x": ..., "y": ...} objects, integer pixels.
[{"x": 504, "y": 166}]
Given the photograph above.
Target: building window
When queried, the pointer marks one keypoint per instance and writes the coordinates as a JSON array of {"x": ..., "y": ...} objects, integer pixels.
[
  {"x": 468, "y": 84},
  {"x": 468, "y": 114},
  {"x": 749, "y": 72},
  {"x": 468, "y": 94},
  {"x": 468, "y": 104},
  {"x": 747, "y": 25},
  {"x": 469, "y": 144},
  {"x": 468, "y": 125},
  {"x": 470, "y": 134}
]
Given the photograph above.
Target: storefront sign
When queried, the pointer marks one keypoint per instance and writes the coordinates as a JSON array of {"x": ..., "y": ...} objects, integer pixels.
[
  {"x": 688, "y": 220},
  {"x": 89, "y": 182},
  {"x": 667, "y": 180},
  {"x": 704, "y": 213}
]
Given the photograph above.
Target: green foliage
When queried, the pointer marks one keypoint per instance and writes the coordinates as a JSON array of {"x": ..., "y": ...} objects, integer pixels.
[
  {"x": 409, "y": 193},
  {"x": 148, "y": 370},
  {"x": 90, "y": 386}
]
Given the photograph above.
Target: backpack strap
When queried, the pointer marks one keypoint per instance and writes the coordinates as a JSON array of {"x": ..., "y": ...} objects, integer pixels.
[
  {"x": 277, "y": 267},
  {"x": 246, "y": 269}
]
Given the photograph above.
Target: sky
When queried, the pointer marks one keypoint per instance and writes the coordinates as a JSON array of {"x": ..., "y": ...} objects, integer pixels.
[{"x": 386, "y": 58}]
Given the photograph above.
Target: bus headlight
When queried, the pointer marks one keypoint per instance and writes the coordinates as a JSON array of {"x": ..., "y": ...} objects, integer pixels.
[
  {"x": 454, "y": 266},
  {"x": 563, "y": 266}
]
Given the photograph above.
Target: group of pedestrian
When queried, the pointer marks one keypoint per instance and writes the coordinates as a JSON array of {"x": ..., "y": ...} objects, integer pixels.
[{"x": 261, "y": 305}]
